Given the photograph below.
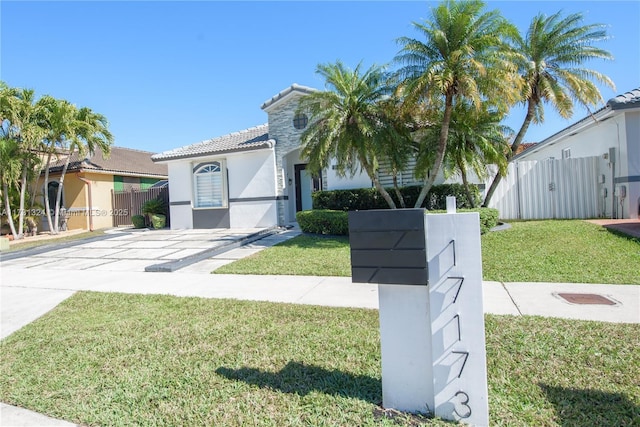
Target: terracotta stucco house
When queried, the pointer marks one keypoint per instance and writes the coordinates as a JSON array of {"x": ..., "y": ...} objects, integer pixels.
[{"x": 89, "y": 182}]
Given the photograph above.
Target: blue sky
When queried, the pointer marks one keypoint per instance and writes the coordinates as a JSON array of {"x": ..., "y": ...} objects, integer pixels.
[{"x": 168, "y": 74}]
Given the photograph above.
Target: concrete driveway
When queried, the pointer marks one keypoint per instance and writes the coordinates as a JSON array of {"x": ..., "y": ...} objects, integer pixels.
[{"x": 129, "y": 250}]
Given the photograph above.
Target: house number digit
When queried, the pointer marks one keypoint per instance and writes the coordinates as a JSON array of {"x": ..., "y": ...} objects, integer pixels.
[
  {"x": 461, "y": 402},
  {"x": 464, "y": 362}
]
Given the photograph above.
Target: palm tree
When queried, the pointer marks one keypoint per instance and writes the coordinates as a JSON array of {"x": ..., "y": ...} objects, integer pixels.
[
  {"x": 348, "y": 122},
  {"x": 58, "y": 121},
  {"x": 10, "y": 171},
  {"x": 19, "y": 108},
  {"x": 476, "y": 140},
  {"x": 549, "y": 59},
  {"x": 460, "y": 58},
  {"x": 87, "y": 131}
]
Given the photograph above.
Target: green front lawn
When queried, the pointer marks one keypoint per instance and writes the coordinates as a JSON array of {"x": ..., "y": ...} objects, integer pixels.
[
  {"x": 114, "y": 359},
  {"x": 536, "y": 251}
]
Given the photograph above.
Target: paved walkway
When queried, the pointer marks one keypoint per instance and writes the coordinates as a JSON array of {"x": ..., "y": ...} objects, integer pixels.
[{"x": 34, "y": 285}]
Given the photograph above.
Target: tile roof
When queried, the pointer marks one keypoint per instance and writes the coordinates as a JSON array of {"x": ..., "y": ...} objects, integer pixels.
[
  {"x": 121, "y": 161},
  {"x": 293, "y": 88},
  {"x": 626, "y": 100},
  {"x": 245, "y": 140}
]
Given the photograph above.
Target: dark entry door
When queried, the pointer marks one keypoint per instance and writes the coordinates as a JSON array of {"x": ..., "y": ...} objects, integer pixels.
[{"x": 305, "y": 185}]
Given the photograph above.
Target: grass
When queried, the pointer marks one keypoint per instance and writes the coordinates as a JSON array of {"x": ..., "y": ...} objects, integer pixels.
[
  {"x": 113, "y": 359},
  {"x": 560, "y": 251},
  {"x": 304, "y": 255},
  {"x": 54, "y": 240},
  {"x": 534, "y": 251}
]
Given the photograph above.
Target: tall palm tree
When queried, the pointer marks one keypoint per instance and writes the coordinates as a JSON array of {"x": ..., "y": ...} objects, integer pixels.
[
  {"x": 348, "y": 122},
  {"x": 19, "y": 108},
  {"x": 476, "y": 140},
  {"x": 87, "y": 131},
  {"x": 550, "y": 58},
  {"x": 460, "y": 57},
  {"x": 58, "y": 120},
  {"x": 10, "y": 171}
]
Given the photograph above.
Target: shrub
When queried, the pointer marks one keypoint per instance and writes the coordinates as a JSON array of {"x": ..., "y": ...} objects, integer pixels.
[
  {"x": 369, "y": 198},
  {"x": 488, "y": 217},
  {"x": 324, "y": 221},
  {"x": 137, "y": 221},
  {"x": 154, "y": 206}
]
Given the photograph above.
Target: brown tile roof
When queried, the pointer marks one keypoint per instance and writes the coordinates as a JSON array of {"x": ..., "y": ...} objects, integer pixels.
[
  {"x": 121, "y": 161},
  {"x": 525, "y": 146},
  {"x": 245, "y": 140}
]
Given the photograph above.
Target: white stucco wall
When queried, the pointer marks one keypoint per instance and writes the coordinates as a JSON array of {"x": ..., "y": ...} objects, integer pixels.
[
  {"x": 251, "y": 189},
  {"x": 334, "y": 182},
  {"x": 180, "y": 194}
]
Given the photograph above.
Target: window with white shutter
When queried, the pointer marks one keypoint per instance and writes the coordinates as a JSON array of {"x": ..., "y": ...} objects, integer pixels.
[{"x": 209, "y": 186}]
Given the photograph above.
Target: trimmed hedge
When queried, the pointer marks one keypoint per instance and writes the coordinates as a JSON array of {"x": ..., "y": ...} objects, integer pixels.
[
  {"x": 488, "y": 217},
  {"x": 323, "y": 221},
  {"x": 337, "y": 222},
  {"x": 369, "y": 198}
]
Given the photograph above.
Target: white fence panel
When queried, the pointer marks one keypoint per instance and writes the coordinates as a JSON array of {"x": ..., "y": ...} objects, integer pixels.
[{"x": 545, "y": 189}]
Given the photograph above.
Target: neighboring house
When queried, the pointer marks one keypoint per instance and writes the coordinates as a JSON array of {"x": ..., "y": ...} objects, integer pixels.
[
  {"x": 89, "y": 182},
  {"x": 251, "y": 178},
  {"x": 611, "y": 137}
]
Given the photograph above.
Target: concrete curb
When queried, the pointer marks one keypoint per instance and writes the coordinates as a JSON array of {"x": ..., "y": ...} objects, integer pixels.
[{"x": 171, "y": 266}]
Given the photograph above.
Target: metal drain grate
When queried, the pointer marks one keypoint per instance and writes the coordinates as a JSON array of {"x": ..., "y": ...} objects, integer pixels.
[{"x": 586, "y": 299}]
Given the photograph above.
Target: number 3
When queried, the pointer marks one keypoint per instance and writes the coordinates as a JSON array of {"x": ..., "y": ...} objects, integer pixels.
[{"x": 462, "y": 404}]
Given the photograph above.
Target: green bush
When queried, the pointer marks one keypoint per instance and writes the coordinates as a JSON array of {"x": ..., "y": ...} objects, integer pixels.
[
  {"x": 370, "y": 198},
  {"x": 137, "y": 221},
  {"x": 158, "y": 221},
  {"x": 324, "y": 222},
  {"x": 488, "y": 217},
  {"x": 154, "y": 206}
]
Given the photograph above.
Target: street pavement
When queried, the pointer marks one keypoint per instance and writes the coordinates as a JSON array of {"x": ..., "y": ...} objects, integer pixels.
[{"x": 35, "y": 284}]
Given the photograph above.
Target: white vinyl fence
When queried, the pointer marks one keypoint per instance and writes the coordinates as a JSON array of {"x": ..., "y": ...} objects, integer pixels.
[{"x": 546, "y": 189}]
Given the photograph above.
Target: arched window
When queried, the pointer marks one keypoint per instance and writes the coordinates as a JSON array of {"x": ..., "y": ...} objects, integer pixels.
[{"x": 209, "y": 186}]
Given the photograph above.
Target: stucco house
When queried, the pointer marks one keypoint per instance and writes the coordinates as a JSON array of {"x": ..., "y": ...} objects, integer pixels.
[
  {"x": 254, "y": 177},
  {"x": 89, "y": 181},
  {"x": 251, "y": 178},
  {"x": 611, "y": 136}
]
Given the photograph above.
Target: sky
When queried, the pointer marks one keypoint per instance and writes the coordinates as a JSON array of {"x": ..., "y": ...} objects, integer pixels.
[{"x": 168, "y": 74}]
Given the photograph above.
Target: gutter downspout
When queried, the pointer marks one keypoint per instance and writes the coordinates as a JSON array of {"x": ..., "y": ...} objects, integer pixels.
[{"x": 88, "y": 183}]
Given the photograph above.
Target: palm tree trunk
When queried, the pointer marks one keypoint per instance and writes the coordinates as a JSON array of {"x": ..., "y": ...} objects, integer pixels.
[
  {"x": 5, "y": 189},
  {"x": 383, "y": 192},
  {"x": 442, "y": 148},
  {"x": 59, "y": 193},
  {"x": 397, "y": 190},
  {"x": 23, "y": 194},
  {"x": 514, "y": 148},
  {"x": 46, "y": 194},
  {"x": 465, "y": 183}
]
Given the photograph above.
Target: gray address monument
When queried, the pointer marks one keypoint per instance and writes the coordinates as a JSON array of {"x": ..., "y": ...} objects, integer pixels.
[{"x": 428, "y": 268}]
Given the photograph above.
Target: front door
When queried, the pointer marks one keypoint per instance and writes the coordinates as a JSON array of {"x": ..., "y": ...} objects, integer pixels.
[{"x": 305, "y": 185}]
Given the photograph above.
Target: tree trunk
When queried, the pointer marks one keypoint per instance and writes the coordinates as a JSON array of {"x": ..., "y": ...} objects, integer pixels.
[
  {"x": 397, "y": 190},
  {"x": 465, "y": 183},
  {"x": 442, "y": 148},
  {"x": 59, "y": 193},
  {"x": 23, "y": 194},
  {"x": 514, "y": 147},
  {"x": 47, "y": 210},
  {"x": 12, "y": 226}
]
